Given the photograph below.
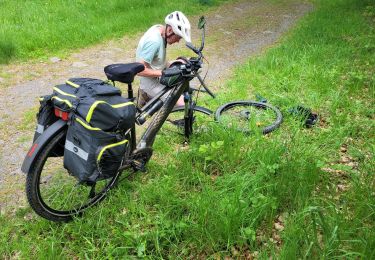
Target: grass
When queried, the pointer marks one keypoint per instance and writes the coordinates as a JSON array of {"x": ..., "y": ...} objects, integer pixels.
[
  {"x": 297, "y": 193},
  {"x": 40, "y": 28},
  {"x": 28, "y": 121}
]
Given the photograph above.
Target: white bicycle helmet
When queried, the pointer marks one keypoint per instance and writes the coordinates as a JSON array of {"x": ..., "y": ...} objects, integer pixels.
[{"x": 180, "y": 24}]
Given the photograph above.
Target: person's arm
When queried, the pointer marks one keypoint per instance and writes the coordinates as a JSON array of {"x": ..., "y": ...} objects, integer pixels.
[
  {"x": 149, "y": 72},
  {"x": 145, "y": 55}
]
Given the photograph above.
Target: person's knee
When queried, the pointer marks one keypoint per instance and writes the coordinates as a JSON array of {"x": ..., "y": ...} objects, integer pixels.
[
  {"x": 143, "y": 98},
  {"x": 180, "y": 102}
]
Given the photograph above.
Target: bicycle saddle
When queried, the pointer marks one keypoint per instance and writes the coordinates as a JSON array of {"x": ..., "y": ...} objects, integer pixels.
[{"x": 123, "y": 72}]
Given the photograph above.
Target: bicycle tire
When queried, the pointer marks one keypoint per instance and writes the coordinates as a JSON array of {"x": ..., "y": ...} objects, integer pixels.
[
  {"x": 34, "y": 180},
  {"x": 234, "y": 109},
  {"x": 176, "y": 118}
]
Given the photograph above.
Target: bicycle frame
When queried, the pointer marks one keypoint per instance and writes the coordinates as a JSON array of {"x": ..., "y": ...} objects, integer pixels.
[{"x": 148, "y": 137}]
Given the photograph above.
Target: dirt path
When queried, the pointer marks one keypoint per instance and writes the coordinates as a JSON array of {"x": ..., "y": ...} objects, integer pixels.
[{"x": 234, "y": 33}]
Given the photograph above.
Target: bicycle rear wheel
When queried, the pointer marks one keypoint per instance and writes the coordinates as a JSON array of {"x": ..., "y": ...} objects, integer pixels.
[
  {"x": 56, "y": 195},
  {"x": 249, "y": 116}
]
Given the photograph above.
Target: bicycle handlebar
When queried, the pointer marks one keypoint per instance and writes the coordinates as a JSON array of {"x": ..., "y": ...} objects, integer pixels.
[{"x": 196, "y": 63}]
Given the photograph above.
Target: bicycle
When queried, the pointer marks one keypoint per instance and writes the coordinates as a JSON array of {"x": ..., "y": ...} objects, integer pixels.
[{"x": 55, "y": 195}]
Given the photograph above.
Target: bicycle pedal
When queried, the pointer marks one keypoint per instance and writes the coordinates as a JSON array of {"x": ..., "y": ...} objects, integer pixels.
[{"x": 139, "y": 165}]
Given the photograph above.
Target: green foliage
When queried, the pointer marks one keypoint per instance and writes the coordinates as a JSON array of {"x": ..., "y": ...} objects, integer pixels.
[
  {"x": 7, "y": 50},
  {"x": 32, "y": 29},
  {"x": 227, "y": 194}
]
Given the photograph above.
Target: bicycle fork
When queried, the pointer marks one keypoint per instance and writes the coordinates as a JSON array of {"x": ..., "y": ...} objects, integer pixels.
[{"x": 188, "y": 115}]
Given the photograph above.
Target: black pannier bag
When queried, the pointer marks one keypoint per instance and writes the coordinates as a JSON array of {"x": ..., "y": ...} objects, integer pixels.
[
  {"x": 98, "y": 89},
  {"x": 45, "y": 116},
  {"x": 99, "y": 103},
  {"x": 92, "y": 154},
  {"x": 92, "y": 87},
  {"x": 66, "y": 96},
  {"x": 107, "y": 113}
]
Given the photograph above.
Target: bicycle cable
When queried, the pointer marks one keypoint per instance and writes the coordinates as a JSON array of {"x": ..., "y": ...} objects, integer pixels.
[{"x": 204, "y": 78}]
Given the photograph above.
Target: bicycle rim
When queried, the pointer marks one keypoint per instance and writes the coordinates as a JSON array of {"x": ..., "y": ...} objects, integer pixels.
[
  {"x": 55, "y": 194},
  {"x": 249, "y": 117},
  {"x": 198, "y": 121}
]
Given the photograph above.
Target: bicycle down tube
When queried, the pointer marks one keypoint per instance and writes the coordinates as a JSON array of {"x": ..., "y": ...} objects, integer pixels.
[{"x": 148, "y": 137}]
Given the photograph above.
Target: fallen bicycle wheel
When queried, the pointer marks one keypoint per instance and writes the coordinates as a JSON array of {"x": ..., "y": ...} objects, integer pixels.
[{"x": 249, "y": 116}]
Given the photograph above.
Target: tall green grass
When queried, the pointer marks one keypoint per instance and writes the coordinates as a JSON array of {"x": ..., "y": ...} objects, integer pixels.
[
  {"x": 31, "y": 29},
  {"x": 222, "y": 195}
]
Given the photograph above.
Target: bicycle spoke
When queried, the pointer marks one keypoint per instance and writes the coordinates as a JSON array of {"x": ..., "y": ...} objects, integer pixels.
[{"x": 248, "y": 116}]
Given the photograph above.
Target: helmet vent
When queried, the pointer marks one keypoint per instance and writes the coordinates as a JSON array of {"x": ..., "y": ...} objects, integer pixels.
[{"x": 179, "y": 24}]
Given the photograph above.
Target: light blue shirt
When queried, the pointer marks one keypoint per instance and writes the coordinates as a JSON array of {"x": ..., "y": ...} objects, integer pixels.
[{"x": 151, "y": 48}]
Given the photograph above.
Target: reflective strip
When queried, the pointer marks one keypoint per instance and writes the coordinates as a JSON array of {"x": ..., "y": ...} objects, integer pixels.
[
  {"x": 87, "y": 126},
  {"x": 63, "y": 93},
  {"x": 40, "y": 129},
  {"x": 72, "y": 84},
  {"x": 76, "y": 150},
  {"x": 91, "y": 110},
  {"x": 63, "y": 100},
  {"x": 123, "y": 104},
  {"x": 109, "y": 146},
  {"x": 96, "y": 103},
  {"x": 41, "y": 98}
]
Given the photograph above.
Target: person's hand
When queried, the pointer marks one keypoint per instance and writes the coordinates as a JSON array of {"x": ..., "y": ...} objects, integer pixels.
[
  {"x": 178, "y": 61},
  {"x": 181, "y": 60}
]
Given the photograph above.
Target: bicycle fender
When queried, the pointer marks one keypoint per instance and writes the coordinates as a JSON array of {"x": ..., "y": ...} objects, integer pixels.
[{"x": 40, "y": 143}]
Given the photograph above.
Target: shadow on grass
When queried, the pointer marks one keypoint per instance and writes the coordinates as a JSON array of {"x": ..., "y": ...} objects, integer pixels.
[{"x": 7, "y": 51}]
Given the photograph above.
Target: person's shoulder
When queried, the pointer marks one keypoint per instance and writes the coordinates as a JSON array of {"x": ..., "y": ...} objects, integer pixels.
[{"x": 154, "y": 33}]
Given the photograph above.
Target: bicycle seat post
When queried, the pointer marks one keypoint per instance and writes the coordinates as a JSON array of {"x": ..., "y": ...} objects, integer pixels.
[
  {"x": 130, "y": 91},
  {"x": 131, "y": 97}
]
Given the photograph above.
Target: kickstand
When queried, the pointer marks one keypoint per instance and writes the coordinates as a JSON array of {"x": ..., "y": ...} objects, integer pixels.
[{"x": 92, "y": 191}]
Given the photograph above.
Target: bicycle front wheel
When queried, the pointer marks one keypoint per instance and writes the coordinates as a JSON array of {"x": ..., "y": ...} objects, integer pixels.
[
  {"x": 56, "y": 195},
  {"x": 249, "y": 116},
  {"x": 177, "y": 122}
]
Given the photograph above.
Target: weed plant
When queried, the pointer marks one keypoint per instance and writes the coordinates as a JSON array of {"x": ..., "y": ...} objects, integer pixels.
[{"x": 296, "y": 193}]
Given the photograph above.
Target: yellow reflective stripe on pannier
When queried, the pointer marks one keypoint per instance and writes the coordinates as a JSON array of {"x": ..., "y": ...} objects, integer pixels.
[
  {"x": 63, "y": 100},
  {"x": 92, "y": 108},
  {"x": 63, "y": 93},
  {"x": 123, "y": 104},
  {"x": 87, "y": 126},
  {"x": 96, "y": 103},
  {"x": 109, "y": 146},
  {"x": 72, "y": 84}
]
